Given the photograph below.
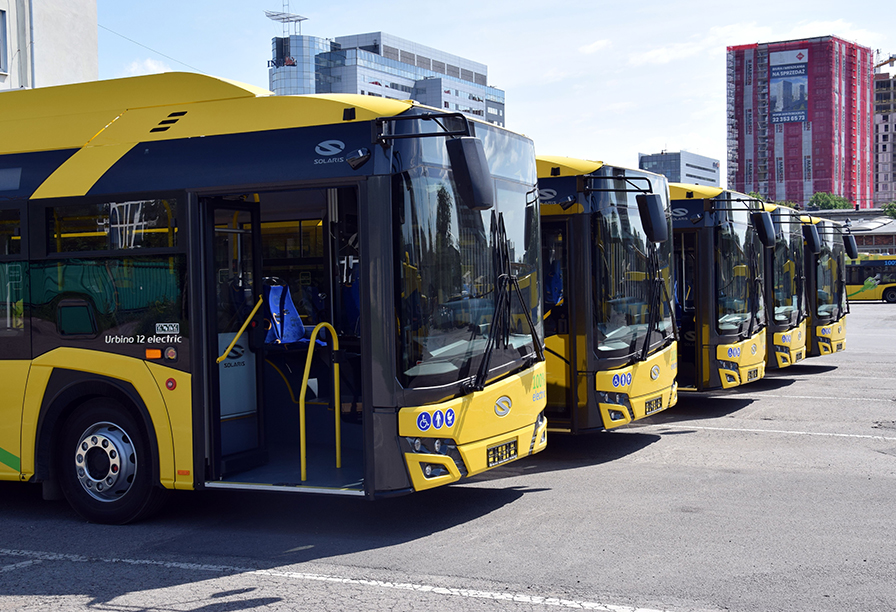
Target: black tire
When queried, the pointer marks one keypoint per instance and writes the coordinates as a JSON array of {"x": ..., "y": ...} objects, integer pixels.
[
  {"x": 105, "y": 465},
  {"x": 890, "y": 295}
]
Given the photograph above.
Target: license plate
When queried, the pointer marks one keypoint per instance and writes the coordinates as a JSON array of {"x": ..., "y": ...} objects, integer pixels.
[
  {"x": 753, "y": 374},
  {"x": 502, "y": 453},
  {"x": 799, "y": 355},
  {"x": 839, "y": 346},
  {"x": 653, "y": 405}
]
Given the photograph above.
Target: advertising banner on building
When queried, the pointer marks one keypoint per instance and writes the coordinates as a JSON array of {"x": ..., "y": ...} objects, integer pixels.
[{"x": 789, "y": 85}]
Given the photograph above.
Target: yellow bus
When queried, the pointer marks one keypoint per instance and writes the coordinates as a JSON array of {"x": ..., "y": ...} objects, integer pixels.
[
  {"x": 719, "y": 237},
  {"x": 609, "y": 333},
  {"x": 871, "y": 277},
  {"x": 785, "y": 294},
  {"x": 208, "y": 286},
  {"x": 826, "y": 248}
]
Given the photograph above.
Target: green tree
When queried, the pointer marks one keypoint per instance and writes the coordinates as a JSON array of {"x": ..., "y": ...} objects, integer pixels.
[
  {"x": 788, "y": 204},
  {"x": 828, "y": 201},
  {"x": 890, "y": 209},
  {"x": 757, "y": 196}
]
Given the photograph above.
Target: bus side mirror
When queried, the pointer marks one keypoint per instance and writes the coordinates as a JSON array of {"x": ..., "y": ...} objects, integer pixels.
[
  {"x": 852, "y": 250},
  {"x": 813, "y": 242},
  {"x": 653, "y": 216},
  {"x": 471, "y": 174},
  {"x": 765, "y": 229}
]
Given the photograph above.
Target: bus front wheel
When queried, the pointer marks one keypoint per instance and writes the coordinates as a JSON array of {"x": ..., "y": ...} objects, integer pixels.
[
  {"x": 105, "y": 465},
  {"x": 890, "y": 295}
]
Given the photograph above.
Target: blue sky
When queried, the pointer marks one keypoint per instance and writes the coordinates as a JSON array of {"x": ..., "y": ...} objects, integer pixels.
[{"x": 597, "y": 80}]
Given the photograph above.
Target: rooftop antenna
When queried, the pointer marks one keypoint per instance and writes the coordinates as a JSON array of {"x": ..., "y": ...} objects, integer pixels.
[{"x": 286, "y": 18}]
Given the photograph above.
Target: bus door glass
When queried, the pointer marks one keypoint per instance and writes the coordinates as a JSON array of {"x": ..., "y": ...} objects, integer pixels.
[
  {"x": 686, "y": 303},
  {"x": 554, "y": 259},
  {"x": 236, "y": 293}
]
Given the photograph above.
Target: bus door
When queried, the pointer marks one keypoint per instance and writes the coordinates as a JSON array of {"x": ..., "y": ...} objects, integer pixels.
[
  {"x": 234, "y": 294},
  {"x": 286, "y": 268},
  {"x": 687, "y": 303},
  {"x": 557, "y": 324}
]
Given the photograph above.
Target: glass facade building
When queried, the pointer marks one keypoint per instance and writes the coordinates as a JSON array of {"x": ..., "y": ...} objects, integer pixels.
[{"x": 378, "y": 64}]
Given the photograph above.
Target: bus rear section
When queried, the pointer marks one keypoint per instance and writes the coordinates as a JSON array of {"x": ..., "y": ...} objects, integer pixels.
[
  {"x": 322, "y": 294},
  {"x": 719, "y": 286},
  {"x": 610, "y": 341},
  {"x": 826, "y": 244},
  {"x": 871, "y": 277},
  {"x": 786, "y": 290}
]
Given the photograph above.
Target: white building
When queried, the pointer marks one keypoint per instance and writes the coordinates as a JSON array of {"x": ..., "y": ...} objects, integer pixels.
[
  {"x": 47, "y": 42},
  {"x": 682, "y": 167}
]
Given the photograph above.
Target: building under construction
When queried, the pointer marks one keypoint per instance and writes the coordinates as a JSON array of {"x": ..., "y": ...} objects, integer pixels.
[{"x": 801, "y": 119}]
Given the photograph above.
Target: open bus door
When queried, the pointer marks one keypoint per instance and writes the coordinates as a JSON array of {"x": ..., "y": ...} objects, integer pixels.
[{"x": 283, "y": 274}]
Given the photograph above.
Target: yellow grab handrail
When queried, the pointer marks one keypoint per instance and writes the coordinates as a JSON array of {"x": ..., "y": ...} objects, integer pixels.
[
  {"x": 242, "y": 329},
  {"x": 337, "y": 403}
]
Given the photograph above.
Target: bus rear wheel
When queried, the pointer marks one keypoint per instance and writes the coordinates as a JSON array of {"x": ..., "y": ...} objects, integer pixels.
[
  {"x": 890, "y": 295},
  {"x": 105, "y": 465}
]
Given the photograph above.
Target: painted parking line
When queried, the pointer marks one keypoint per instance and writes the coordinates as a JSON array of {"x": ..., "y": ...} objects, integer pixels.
[
  {"x": 17, "y": 566},
  {"x": 554, "y": 602},
  {"x": 773, "y": 431}
]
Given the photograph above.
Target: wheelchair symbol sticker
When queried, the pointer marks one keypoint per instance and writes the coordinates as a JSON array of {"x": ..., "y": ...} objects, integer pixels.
[{"x": 423, "y": 421}]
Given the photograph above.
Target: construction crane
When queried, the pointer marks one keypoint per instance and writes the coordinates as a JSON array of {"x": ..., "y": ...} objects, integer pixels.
[{"x": 891, "y": 60}]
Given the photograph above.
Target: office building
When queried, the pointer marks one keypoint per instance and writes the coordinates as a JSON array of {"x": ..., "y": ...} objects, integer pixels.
[
  {"x": 800, "y": 120},
  {"x": 47, "y": 42},
  {"x": 682, "y": 167},
  {"x": 379, "y": 64}
]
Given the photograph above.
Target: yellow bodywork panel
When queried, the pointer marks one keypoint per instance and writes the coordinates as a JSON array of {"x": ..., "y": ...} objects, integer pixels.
[
  {"x": 790, "y": 346},
  {"x": 476, "y": 424},
  {"x": 133, "y": 371},
  {"x": 680, "y": 191},
  {"x": 13, "y": 378},
  {"x": 748, "y": 358},
  {"x": 831, "y": 338},
  {"x": 565, "y": 166},
  {"x": 649, "y": 387}
]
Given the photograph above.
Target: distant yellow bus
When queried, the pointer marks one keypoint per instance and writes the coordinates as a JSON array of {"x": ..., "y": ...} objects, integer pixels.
[{"x": 871, "y": 277}]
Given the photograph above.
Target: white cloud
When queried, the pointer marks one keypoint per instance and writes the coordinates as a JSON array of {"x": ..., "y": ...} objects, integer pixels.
[
  {"x": 146, "y": 66},
  {"x": 839, "y": 28},
  {"x": 594, "y": 47}
]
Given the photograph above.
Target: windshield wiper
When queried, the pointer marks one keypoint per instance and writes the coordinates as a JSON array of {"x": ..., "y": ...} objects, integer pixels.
[
  {"x": 505, "y": 280},
  {"x": 658, "y": 288}
]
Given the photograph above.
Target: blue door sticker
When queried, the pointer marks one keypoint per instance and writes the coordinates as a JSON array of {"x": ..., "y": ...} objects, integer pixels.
[
  {"x": 423, "y": 421},
  {"x": 449, "y": 417}
]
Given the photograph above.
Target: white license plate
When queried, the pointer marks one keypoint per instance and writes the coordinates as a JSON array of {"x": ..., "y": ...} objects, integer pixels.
[{"x": 653, "y": 405}]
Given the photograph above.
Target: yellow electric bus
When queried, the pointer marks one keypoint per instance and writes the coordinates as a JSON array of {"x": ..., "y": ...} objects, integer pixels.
[
  {"x": 609, "y": 334},
  {"x": 719, "y": 237},
  {"x": 208, "y": 286},
  {"x": 785, "y": 293},
  {"x": 871, "y": 277},
  {"x": 826, "y": 248}
]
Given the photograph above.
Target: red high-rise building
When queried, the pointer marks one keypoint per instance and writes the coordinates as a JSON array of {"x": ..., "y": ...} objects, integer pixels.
[{"x": 800, "y": 119}]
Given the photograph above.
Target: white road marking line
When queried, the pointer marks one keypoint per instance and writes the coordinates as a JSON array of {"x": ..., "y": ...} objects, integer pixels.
[
  {"x": 37, "y": 557},
  {"x": 16, "y": 566},
  {"x": 761, "y": 394},
  {"x": 774, "y": 431}
]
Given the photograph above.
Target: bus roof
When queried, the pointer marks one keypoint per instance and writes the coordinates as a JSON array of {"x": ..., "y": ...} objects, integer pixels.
[
  {"x": 130, "y": 110},
  {"x": 96, "y": 124},
  {"x": 680, "y": 191},
  {"x": 565, "y": 166}
]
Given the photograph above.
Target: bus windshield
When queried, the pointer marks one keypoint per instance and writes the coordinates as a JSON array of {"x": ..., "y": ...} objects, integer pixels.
[
  {"x": 445, "y": 264},
  {"x": 739, "y": 298},
  {"x": 787, "y": 268},
  {"x": 830, "y": 290},
  {"x": 624, "y": 277}
]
